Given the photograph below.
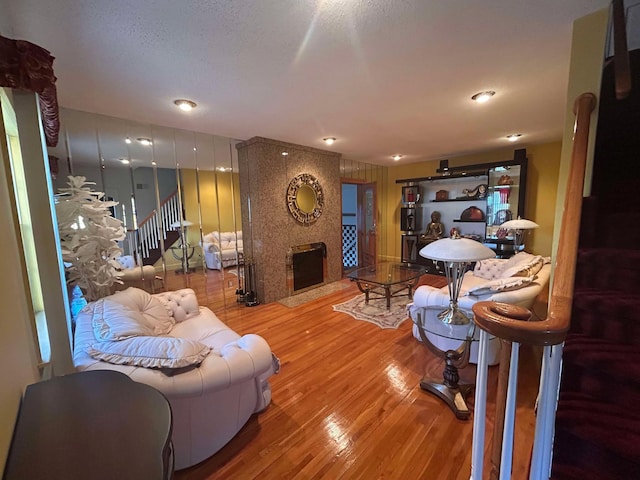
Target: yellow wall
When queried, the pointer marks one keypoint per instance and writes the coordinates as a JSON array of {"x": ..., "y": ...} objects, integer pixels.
[
  {"x": 585, "y": 75},
  {"x": 542, "y": 180},
  {"x": 226, "y": 195}
]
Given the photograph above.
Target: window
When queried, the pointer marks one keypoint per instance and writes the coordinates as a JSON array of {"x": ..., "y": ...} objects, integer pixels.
[{"x": 26, "y": 231}]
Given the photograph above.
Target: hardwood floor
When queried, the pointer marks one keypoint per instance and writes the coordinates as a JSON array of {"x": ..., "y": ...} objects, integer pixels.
[{"x": 347, "y": 402}]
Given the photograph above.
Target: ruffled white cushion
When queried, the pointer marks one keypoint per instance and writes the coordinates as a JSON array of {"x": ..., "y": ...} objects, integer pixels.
[
  {"x": 522, "y": 265},
  {"x": 156, "y": 314},
  {"x": 500, "y": 285},
  {"x": 151, "y": 352},
  {"x": 114, "y": 321}
]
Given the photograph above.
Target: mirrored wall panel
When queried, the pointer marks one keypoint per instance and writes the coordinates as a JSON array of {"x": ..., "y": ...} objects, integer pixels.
[{"x": 178, "y": 197}]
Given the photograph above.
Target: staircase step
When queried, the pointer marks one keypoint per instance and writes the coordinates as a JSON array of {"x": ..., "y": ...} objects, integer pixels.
[
  {"x": 595, "y": 439},
  {"x": 607, "y": 315},
  {"x": 606, "y": 371},
  {"x": 608, "y": 269}
]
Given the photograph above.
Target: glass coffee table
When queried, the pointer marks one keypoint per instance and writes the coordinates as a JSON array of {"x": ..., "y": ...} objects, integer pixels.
[{"x": 387, "y": 280}]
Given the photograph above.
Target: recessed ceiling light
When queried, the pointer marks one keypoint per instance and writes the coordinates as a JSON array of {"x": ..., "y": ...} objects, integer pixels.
[
  {"x": 482, "y": 97},
  {"x": 284, "y": 154},
  {"x": 514, "y": 137},
  {"x": 397, "y": 157},
  {"x": 127, "y": 140},
  {"x": 145, "y": 141},
  {"x": 154, "y": 163},
  {"x": 185, "y": 105},
  {"x": 125, "y": 161},
  {"x": 329, "y": 140}
]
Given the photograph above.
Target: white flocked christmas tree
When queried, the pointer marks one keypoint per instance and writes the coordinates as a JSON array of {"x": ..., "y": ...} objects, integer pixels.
[{"x": 89, "y": 237}]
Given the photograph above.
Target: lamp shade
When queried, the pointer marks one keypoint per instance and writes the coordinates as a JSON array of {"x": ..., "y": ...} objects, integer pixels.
[
  {"x": 519, "y": 224},
  {"x": 456, "y": 250}
]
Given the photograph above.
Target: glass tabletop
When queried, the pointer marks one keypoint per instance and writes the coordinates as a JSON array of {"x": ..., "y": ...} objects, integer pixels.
[{"x": 387, "y": 273}]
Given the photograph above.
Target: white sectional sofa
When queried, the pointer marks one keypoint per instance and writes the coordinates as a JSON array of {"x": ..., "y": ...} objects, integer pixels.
[
  {"x": 213, "y": 378},
  {"x": 516, "y": 281},
  {"x": 222, "y": 249}
]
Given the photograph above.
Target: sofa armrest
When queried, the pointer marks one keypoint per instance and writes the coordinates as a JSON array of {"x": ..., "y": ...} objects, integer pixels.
[
  {"x": 427, "y": 296},
  {"x": 210, "y": 247}
]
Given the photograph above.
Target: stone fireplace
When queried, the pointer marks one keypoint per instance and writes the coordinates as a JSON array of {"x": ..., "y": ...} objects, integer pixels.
[{"x": 269, "y": 230}]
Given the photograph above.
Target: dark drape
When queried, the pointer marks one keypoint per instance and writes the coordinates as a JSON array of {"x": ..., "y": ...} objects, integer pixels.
[{"x": 26, "y": 66}]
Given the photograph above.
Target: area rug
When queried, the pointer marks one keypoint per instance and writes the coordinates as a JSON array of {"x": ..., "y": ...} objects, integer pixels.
[{"x": 376, "y": 311}]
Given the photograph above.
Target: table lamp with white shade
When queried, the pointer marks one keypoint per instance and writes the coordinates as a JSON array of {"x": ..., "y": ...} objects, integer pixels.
[
  {"x": 519, "y": 227},
  {"x": 456, "y": 253}
]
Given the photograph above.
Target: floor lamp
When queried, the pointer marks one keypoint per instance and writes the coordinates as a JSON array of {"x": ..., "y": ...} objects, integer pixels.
[
  {"x": 182, "y": 226},
  {"x": 456, "y": 253},
  {"x": 519, "y": 227}
]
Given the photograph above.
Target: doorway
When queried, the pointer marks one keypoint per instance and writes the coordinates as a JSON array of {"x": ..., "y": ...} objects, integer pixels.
[{"x": 359, "y": 225}]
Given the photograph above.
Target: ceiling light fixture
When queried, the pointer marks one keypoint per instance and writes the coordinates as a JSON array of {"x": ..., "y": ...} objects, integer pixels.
[
  {"x": 397, "y": 157},
  {"x": 185, "y": 105},
  {"x": 284, "y": 154},
  {"x": 127, "y": 140},
  {"x": 482, "y": 97},
  {"x": 329, "y": 140},
  {"x": 145, "y": 141},
  {"x": 125, "y": 161},
  {"x": 514, "y": 137}
]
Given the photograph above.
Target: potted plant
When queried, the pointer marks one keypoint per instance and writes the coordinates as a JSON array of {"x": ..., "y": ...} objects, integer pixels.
[{"x": 89, "y": 237}]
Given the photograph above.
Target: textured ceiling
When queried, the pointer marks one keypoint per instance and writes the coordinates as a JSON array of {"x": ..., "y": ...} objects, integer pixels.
[{"x": 382, "y": 76}]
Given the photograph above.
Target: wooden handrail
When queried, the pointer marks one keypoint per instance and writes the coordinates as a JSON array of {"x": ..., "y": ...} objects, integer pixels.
[
  {"x": 148, "y": 217},
  {"x": 503, "y": 320}
]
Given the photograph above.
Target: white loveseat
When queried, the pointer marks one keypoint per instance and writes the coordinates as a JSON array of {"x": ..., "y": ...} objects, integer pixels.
[
  {"x": 215, "y": 379},
  {"x": 516, "y": 281},
  {"x": 222, "y": 249}
]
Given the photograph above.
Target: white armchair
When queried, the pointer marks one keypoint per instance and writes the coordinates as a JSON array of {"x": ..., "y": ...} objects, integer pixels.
[{"x": 516, "y": 281}]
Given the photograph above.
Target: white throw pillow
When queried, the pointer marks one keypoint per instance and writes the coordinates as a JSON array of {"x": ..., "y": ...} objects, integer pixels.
[
  {"x": 157, "y": 315},
  {"x": 500, "y": 285},
  {"x": 524, "y": 266},
  {"x": 114, "y": 321},
  {"x": 151, "y": 352}
]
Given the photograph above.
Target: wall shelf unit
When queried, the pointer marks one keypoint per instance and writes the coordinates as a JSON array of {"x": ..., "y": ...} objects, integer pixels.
[{"x": 497, "y": 189}]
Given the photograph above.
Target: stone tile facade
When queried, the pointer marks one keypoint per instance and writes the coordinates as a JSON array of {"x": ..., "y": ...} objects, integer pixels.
[{"x": 269, "y": 230}]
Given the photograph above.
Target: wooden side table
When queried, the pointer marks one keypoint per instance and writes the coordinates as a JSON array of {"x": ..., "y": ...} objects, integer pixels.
[{"x": 97, "y": 424}]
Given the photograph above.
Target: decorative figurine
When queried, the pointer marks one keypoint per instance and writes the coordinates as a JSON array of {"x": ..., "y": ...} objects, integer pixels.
[
  {"x": 479, "y": 192},
  {"x": 435, "y": 229}
]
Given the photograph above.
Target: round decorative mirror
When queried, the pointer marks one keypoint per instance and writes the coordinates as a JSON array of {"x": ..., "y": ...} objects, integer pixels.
[{"x": 305, "y": 198}]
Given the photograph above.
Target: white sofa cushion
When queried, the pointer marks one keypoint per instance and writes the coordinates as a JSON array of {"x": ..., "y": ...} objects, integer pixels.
[
  {"x": 151, "y": 352},
  {"x": 155, "y": 313},
  {"x": 522, "y": 265},
  {"x": 114, "y": 321},
  {"x": 500, "y": 285}
]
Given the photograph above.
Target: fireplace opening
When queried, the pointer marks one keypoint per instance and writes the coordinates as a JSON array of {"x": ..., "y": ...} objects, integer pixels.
[{"x": 307, "y": 265}]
